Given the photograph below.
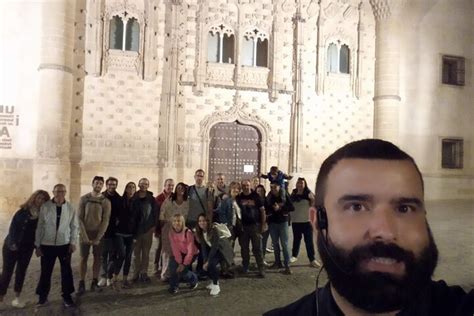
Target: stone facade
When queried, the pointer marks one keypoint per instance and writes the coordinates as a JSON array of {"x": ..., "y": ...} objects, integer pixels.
[{"x": 149, "y": 112}]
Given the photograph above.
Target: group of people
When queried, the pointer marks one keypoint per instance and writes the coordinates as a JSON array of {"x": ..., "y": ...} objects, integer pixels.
[
  {"x": 368, "y": 214},
  {"x": 197, "y": 223}
]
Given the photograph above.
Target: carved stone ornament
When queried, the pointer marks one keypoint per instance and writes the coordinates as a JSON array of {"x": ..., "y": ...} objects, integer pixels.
[
  {"x": 221, "y": 29},
  {"x": 288, "y": 6},
  {"x": 313, "y": 8},
  {"x": 332, "y": 9},
  {"x": 384, "y": 9},
  {"x": 255, "y": 34},
  {"x": 235, "y": 113},
  {"x": 124, "y": 10}
]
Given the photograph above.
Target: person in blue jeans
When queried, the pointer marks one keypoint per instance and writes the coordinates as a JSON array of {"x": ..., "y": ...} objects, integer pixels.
[
  {"x": 183, "y": 249},
  {"x": 278, "y": 210}
]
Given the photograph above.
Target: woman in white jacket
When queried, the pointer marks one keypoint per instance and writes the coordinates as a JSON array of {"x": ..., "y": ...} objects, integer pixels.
[{"x": 56, "y": 237}]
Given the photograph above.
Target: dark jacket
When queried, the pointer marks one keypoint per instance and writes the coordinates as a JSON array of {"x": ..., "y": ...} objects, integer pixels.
[
  {"x": 436, "y": 299},
  {"x": 126, "y": 219},
  {"x": 116, "y": 206},
  {"x": 19, "y": 232},
  {"x": 144, "y": 210},
  {"x": 218, "y": 244},
  {"x": 283, "y": 214}
]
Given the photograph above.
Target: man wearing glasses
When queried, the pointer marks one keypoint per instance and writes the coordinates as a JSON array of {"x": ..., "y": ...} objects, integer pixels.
[{"x": 56, "y": 237}]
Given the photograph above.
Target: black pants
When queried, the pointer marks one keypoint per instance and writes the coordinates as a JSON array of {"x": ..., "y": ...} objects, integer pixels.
[
  {"x": 108, "y": 256},
  {"x": 303, "y": 230},
  {"x": 124, "y": 254},
  {"x": 20, "y": 258},
  {"x": 50, "y": 253},
  {"x": 250, "y": 233}
]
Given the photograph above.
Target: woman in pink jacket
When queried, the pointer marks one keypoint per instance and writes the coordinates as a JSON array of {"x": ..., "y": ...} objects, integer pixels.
[{"x": 183, "y": 250}]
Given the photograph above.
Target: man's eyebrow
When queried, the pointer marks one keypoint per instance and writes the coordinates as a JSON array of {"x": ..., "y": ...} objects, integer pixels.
[
  {"x": 355, "y": 197},
  {"x": 407, "y": 200}
]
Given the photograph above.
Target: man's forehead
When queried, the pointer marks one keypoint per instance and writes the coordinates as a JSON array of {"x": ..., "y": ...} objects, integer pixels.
[{"x": 375, "y": 175}]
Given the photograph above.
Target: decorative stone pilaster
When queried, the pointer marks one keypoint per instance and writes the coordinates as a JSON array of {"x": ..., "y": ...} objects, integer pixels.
[
  {"x": 387, "y": 73},
  {"x": 296, "y": 121},
  {"x": 52, "y": 164}
]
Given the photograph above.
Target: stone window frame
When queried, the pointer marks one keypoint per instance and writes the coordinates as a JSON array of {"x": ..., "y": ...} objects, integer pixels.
[
  {"x": 453, "y": 70},
  {"x": 339, "y": 44},
  {"x": 127, "y": 60},
  {"x": 125, "y": 23},
  {"x": 222, "y": 29},
  {"x": 255, "y": 34},
  {"x": 452, "y": 153}
]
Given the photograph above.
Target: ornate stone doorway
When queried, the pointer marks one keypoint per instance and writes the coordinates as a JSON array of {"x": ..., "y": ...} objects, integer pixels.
[{"x": 234, "y": 150}]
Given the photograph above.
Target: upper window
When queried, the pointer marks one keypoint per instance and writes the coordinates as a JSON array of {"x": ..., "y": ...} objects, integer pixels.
[
  {"x": 124, "y": 33},
  {"x": 453, "y": 70},
  {"x": 220, "y": 45},
  {"x": 452, "y": 153},
  {"x": 255, "y": 49},
  {"x": 338, "y": 58}
]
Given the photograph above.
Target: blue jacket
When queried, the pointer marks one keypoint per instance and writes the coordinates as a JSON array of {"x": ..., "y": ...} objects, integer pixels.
[
  {"x": 17, "y": 229},
  {"x": 225, "y": 212}
]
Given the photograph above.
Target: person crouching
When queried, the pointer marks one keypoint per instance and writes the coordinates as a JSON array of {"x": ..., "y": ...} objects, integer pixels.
[
  {"x": 183, "y": 250},
  {"x": 216, "y": 249}
]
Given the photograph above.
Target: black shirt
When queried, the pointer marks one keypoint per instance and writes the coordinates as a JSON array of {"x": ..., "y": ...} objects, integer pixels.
[
  {"x": 58, "y": 216},
  {"x": 437, "y": 299},
  {"x": 249, "y": 205}
]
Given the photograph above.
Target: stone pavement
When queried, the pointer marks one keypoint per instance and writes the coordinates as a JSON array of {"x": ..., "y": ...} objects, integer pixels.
[{"x": 452, "y": 223}]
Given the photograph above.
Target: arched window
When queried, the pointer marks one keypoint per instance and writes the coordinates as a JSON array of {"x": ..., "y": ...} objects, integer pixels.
[
  {"x": 255, "y": 49},
  {"x": 124, "y": 33},
  {"x": 338, "y": 58},
  {"x": 332, "y": 58},
  {"x": 116, "y": 33},
  {"x": 133, "y": 35},
  {"x": 344, "y": 59},
  {"x": 220, "y": 45}
]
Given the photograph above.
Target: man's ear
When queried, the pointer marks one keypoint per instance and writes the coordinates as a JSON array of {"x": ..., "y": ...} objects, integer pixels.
[{"x": 313, "y": 218}]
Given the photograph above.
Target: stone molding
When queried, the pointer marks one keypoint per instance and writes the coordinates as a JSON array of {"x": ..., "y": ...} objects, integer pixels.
[
  {"x": 236, "y": 113},
  {"x": 55, "y": 67}
]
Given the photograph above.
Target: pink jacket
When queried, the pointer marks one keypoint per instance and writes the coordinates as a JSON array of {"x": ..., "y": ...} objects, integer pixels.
[{"x": 183, "y": 244}]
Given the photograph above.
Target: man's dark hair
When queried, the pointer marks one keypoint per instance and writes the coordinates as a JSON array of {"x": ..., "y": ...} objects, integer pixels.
[
  {"x": 98, "y": 178},
  {"x": 111, "y": 179},
  {"x": 199, "y": 170},
  {"x": 361, "y": 149}
]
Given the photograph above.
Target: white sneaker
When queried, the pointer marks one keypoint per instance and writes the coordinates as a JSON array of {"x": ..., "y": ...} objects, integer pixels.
[
  {"x": 102, "y": 282},
  {"x": 17, "y": 303},
  {"x": 315, "y": 264},
  {"x": 215, "y": 290},
  {"x": 109, "y": 282},
  {"x": 293, "y": 259},
  {"x": 210, "y": 286}
]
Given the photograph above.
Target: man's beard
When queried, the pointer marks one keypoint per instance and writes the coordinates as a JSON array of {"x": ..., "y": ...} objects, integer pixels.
[{"x": 374, "y": 291}]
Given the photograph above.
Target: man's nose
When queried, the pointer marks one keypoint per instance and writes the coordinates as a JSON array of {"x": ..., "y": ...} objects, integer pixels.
[{"x": 382, "y": 224}]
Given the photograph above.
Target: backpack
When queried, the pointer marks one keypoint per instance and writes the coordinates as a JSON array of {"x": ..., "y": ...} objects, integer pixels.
[{"x": 222, "y": 230}]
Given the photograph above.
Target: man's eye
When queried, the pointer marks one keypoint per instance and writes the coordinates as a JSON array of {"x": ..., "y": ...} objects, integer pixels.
[
  {"x": 354, "y": 207},
  {"x": 405, "y": 208}
]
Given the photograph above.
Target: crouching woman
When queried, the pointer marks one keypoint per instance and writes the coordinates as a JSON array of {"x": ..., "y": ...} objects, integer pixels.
[
  {"x": 216, "y": 248},
  {"x": 183, "y": 250}
]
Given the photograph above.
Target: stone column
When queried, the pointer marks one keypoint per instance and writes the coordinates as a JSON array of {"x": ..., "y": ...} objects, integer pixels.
[
  {"x": 296, "y": 120},
  {"x": 52, "y": 163},
  {"x": 387, "y": 72}
]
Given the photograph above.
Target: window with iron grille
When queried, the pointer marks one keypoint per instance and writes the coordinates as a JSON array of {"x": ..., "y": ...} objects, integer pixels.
[
  {"x": 453, "y": 70},
  {"x": 452, "y": 153}
]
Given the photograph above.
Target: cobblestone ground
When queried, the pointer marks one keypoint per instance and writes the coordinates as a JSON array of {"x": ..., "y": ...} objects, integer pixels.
[{"x": 452, "y": 223}]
